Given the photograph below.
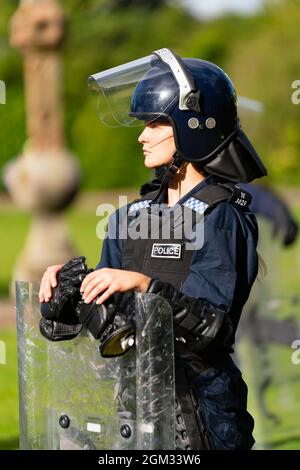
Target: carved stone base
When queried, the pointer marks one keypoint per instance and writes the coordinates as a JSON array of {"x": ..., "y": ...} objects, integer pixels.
[{"x": 43, "y": 184}]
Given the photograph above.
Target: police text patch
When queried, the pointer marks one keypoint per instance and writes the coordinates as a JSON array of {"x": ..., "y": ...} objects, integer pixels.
[{"x": 166, "y": 250}]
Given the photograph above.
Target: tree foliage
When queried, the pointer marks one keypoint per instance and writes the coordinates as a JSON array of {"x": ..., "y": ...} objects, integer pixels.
[{"x": 260, "y": 54}]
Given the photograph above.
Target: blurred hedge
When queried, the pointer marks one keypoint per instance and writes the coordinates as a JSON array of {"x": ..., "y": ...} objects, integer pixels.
[{"x": 260, "y": 53}]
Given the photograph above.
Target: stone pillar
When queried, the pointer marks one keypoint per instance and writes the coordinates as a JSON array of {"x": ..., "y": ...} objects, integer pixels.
[{"x": 45, "y": 177}]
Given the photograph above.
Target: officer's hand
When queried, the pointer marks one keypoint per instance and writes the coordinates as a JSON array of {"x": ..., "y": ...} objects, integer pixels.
[
  {"x": 49, "y": 280},
  {"x": 106, "y": 281}
]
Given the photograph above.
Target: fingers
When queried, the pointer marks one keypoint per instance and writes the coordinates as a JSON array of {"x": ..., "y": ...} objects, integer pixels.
[
  {"x": 91, "y": 286},
  {"x": 53, "y": 276},
  {"x": 89, "y": 278},
  {"x": 98, "y": 281},
  {"x": 47, "y": 290},
  {"x": 48, "y": 281},
  {"x": 108, "y": 293},
  {"x": 94, "y": 292},
  {"x": 108, "y": 281},
  {"x": 75, "y": 268},
  {"x": 41, "y": 291}
]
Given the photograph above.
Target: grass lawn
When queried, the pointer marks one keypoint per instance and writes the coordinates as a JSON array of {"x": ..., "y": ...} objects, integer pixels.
[
  {"x": 82, "y": 226},
  {"x": 12, "y": 238},
  {"x": 9, "y": 422}
]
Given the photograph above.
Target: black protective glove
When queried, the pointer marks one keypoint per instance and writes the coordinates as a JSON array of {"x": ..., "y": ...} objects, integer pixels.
[
  {"x": 65, "y": 314},
  {"x": 59, "y": 320},
  {"x": 111, "y": 322},
  {"x": 284, "y": 225},
  {"x": 195, "y": 322}
]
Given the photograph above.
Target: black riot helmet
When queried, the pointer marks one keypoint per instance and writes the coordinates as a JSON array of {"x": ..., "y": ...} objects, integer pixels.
[{"x": 196, "y": 97}]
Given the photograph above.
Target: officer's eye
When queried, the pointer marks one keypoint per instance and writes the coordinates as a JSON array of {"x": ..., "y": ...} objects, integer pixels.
[{"x": 152, "y": 124}]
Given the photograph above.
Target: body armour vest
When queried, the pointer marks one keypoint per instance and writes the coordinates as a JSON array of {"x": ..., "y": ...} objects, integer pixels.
[
  {"x": 161, "y": 240},
  {"x": 160, "y": 244}
]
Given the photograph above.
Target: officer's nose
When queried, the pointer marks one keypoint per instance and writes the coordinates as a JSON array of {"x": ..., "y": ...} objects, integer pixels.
[{"x": 143, "y": 136}]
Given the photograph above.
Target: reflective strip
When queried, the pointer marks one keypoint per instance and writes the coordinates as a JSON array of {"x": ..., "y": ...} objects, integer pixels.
[
  {"x": 196, "y": 205},
  {"x": 139, "y": 205},
  {"x": 192, "y": 203}
]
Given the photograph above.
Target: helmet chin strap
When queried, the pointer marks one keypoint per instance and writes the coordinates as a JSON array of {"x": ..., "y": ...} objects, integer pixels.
[{"x": 165, "y": 173}]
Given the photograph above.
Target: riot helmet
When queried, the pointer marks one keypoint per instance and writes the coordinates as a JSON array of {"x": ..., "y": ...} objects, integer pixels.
[{"x": 195, "y": 96}]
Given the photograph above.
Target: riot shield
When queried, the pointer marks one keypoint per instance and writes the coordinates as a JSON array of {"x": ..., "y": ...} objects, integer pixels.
[{"x": 72, "y": 398}]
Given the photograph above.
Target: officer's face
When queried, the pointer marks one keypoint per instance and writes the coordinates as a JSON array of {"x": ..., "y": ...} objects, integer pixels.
[{"x": 158, "y": 144}]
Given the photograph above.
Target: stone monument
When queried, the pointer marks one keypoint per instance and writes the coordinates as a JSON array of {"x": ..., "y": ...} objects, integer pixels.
[{"x": 44, "y": 179}]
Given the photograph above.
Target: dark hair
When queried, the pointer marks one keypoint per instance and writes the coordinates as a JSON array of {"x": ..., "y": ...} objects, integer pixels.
[{"x": 200, "y": 169}]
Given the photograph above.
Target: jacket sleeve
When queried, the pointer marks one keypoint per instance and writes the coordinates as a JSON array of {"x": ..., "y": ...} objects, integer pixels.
[
  {"x": 111, "y": 254},
  {"x": 226, "y": 259}
]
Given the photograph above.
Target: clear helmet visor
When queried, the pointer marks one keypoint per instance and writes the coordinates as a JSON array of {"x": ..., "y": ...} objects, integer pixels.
[
  {"x": 251, "y": 114},
  {"x": 138, "y": 91}
]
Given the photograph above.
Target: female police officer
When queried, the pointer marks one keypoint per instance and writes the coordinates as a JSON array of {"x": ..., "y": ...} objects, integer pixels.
[{"x": 193, "y": 140}]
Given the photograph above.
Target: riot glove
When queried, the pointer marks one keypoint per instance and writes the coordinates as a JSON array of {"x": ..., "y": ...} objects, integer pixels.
[
  {"x": 111, "y": 322},
  {"x": 59, "y": 320},
  {"x": 284, "y": 225},
  {"x": 65, "y": 314}
]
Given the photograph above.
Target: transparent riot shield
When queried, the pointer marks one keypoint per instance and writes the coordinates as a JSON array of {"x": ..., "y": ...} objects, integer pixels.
[
  {"x": 268, "y": 345},
  {"x": 72, "y": 398}
]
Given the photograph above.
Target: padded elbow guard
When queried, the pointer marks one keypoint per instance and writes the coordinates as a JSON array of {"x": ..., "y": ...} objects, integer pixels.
[{"x": 195, "y": 323}]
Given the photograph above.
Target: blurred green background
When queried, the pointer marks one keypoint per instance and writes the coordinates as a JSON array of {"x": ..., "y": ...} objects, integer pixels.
[{"x": 259, "y": 52}]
